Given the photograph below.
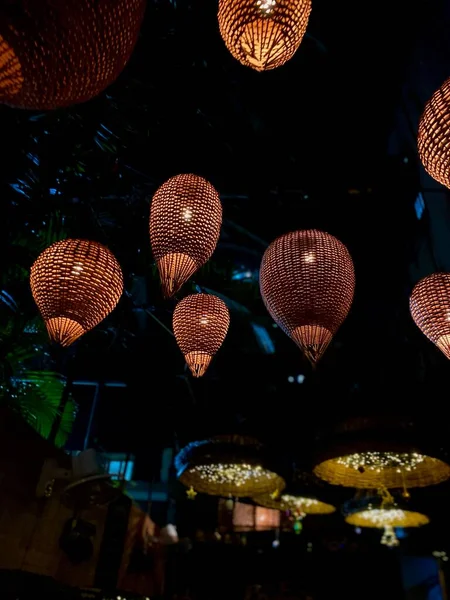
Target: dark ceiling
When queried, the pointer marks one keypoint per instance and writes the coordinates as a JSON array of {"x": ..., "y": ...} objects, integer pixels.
[{"x": 306, "y": 145}]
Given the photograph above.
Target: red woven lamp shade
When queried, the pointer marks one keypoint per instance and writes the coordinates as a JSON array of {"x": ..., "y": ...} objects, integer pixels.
[
  {"x": 200, "y": 324},
  {"x": 430, "y": 309},
  {"x": 307, "y": 282},
  {"x": 263, "y": 34},
  {"x": 185, "y": 221},
  {"x": 75, "y": 284},
  {"x": 434, "y": 135},
  {"x": 56, "y": 53}
]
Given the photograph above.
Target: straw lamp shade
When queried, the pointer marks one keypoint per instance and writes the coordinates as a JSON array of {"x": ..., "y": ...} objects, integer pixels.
[
  {"x": 247, "y": 517},
  {"x": 307, "y": 281},
  {"x": 55, "y": 53},
  {"x": 185, "y": 221},
  {"x": 430, "y": 309},
  {"x": 228, "y": 465},
  {"x": 200, "y": 324},
  {"x": 75, "y": 284},
  {"x": 434, "y": 135},
  {"x": 295, "y": 504},
  {"x": 377, "y": 512},
  {"x": 263, "y": 34}
]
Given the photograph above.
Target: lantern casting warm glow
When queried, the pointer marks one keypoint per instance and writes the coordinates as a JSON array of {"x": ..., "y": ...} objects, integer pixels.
[
  {"x": 263, "y": 34},
  {"x": 200, "y": 324},
  {"x": 430, "y": 309},
  {"x": 55, "y": 53},
  {"x": 307, "y": 282},
  {"x": 75, "y": 284},
  {"x": 185, "y": 221},
  {"x": 434, "y": 135}
]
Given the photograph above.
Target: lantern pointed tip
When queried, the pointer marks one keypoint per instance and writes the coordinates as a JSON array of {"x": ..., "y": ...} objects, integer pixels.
[
  {"x": 64, "y": 331},
  {"x": 175, "y": 268},
  {"x": 198, "y": 362},
  {"x": 313, "y": 340}
]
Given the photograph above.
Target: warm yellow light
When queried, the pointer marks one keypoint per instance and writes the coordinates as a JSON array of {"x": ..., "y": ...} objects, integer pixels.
[
  {"x": 377, "y": 461},
  {"x": 235, "y": 474}
]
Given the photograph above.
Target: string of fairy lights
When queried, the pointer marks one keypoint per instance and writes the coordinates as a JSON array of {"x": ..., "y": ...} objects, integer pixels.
[
  {"x": 377, "y": 461},
  {"x": 236, "y": 474}
]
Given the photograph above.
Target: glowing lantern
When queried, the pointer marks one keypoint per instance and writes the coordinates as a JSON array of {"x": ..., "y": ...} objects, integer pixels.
[
  {"x": 430, "y": 309},
  {"x": 185, "y": 221},
  {"x": 434, "y": 135},
  {"x": 200, "y": 324},
  {"x": 263, "y": 34},
  {"x": 307, "y": 282},
  {"x": 75, "y": 284}
]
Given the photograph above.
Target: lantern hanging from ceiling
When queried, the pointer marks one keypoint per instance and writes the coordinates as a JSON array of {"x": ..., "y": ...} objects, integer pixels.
[
  {"x": 75, "y": 284},
  {"x": 433, "y": 139},
  {"x": 430, "y": 309},
  {"x": 228, "y": 465},
  {"x": 376, "y": 512},
  {"x": 185, "y": 221},
  {"x": 297, "y": 505},
  {"x": 307, "y": 281},
  {"x": 200, "y": 324},
  {"x": 55, "y": 53},
  {"x": 263, "y": 34}
]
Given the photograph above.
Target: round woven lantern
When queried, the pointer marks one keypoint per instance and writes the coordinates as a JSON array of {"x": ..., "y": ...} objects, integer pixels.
[
  {"x": 430, "y": 309},
  {"x": 185, "y": 221},
  {"x": 307, "y": 281},
  {"x": 75, "y": 284},
  {"x": 295, "y": 504},
  {"x": 263, "y": 34},
  {"x": 229, "y": 465},
  {"x": 433, "y": 139},
  {"x": 374, "y": 513},
  {"x": 200, "y": 324},
  {"x": 55, "y": 53}
]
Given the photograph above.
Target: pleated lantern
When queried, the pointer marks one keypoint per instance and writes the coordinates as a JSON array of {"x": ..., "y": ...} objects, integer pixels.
[
  {"x": 185, "y": 221},
  {"x": 75, "y": 284},
  {"x": 430, "y": 309},
  {"x": 263, "y": 34},
  {"x": 55, "y": 53},
  {"x": 200, "y": 324},
  {"x": 228, "y": 465},
  {"x": 307, "y": 282},
  {"x": 433, "y": 139}
]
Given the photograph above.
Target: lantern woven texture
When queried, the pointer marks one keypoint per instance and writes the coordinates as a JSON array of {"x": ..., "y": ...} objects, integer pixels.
[
  {"x": 227, "y": 465},
  {"x": 55, "y": 53},
  {"x": 430, "y": 309},
  {"x": 185, "y": 221},
  {"x": 434, "y": 135},
  {"x": 307, "y": 282},
  {"x": 263, "y": 34},
  {"x": 373, "y": 470},
  {"x": 200, "y": 324},
  {"x": 75, "y": 284},
  {"x": 295, "y": 504},
  {"x": 387, "y": 517}
]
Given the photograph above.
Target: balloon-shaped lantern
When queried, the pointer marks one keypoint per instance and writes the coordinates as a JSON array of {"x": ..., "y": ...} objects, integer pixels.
[
  {"x": 56, "y": 53},
  {"x": 185, "y": 221},
  {"x": 200, "y": 324},
  {"x": 263, "y": 34},
  {"x": 430, "y": 309},
  {"x": 307, "y": 282},
  {"x": 75, "y": 284},
  {"x": 434, "y": 135}
]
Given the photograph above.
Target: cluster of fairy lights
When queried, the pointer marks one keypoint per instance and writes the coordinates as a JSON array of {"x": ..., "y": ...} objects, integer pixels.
[
  {"x": 378, "y": 461},
  {"x": 299, "y": 502},
  {"x": 383, "y": 517},
  {"x": 389, "y": 538},
  {"x": 236, "y": 474}
]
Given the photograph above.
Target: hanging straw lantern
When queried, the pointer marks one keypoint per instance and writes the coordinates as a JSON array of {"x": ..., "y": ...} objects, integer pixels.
[
  {"x": 200, "y": 324},
  {"x": 247, "y": 517},
  {"x": 185, "y": 221},
  {"x": 376, "y": 512},
  {"x": 307, "y": 283},
  {"x": 55, "y": 53},
  {"x": 227, "y": 465},
  {"x": 75, "y": 284},
  {"x": 434, "y": 135},
  {"x": 263, "y": 34},
  {"x": 297, "y": 505},
  {"x": 430, "y": 309}
]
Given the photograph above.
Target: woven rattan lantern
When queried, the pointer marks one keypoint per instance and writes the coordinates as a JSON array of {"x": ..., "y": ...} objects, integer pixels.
[
  {"x": 56, "y": 53},
  {"x": 307, "y": 283},
  {"x": 185, "y": 221},
  {"x": 200, "y": 324},
  {"x": 430, "y": 309},
  {"x": 374, "y": 512},
  {"x": 228, "y": 465},
  {"x": 434, "y": 135},
  {"x": 297, "y": 505},
  {"x": 75, "y": 284},
  {"x": 263, "y": 34}
]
